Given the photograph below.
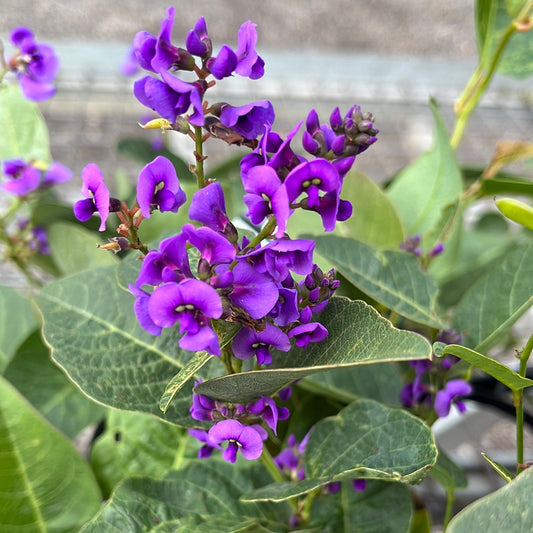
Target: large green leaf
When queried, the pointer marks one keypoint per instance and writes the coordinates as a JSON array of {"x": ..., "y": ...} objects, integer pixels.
[
  {"x": 393, "y": 278},
  {"x": 47, "y": 388},
  {"x": 24, "y": 132},
  {"x": 357, "y": 335},
  {"x": 491, "y": 306},
  {"x": 422, "y": 191},
  {"x": 74, "y": 248},
  {"x": 45, "y": 484},
  {"x": 381, "y": 508},
  {"x": 135, "y": 444},
  {"x": 507, "y": 509},
  {"x": 95, "y": 337},
  {"x": 203, "y": 490},
  {"x": 492, "y": 20},
  {"x": 365, "y": 440},
  {"x": 18, "y": 318}
]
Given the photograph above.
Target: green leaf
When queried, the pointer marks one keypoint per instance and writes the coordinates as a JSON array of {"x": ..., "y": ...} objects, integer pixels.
[
  {"x": 47, "y": 388},
  {"x": 393, "y": 278},
  {"x": 490, "y": 366},
  {"x": 203, "y": 490},
  {"x": 447, "y": 473},
  {"x": 180, "y": 379},
  {"x": 507, "y": 509},
  {"x": 134, "y": 444},
  {"x": 424, "y": 189},
  {"x": 45, "y": 484},
  {"x": 357, "y": 335},
  {"x": 490, "y": 306},
  {"x": 375, "y": 220},
  {"x": 18, "y": 318},
  {"x": 499, "y": 468},
  {"x": 24, "y": 131},
  {"x": 514, "y": 185},
  {"x": 492, "y": 19},
  {"x": 365, "y": 440},
  {"x": 95, "y": 337},
  {"x": 382, "y": 383},
  {"x": 381, "y": 508},
  {"x": 74, "y": 248}
]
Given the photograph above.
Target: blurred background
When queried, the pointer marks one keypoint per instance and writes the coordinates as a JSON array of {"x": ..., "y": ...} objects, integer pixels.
[{"x": 388, "y": 56}]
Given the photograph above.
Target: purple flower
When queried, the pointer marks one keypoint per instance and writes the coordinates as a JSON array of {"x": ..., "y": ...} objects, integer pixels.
[
  {"x": 267, "y": 409},
  {"x": 454, "y": 390},
  {"x": 248, "y": 120},
  {"x": 306, "y": 333},
  {"x": 223, "y": 65},
  {"x": 214, "y": 248},
  {"x": 141, "y": 310},
  {"x": 56, "y": 173},
  {"x": 266, "y": 195},
  {"x": 281, "y": 256},
  {"x": 96, "y": 194},
  {"x": 249, "y": 65},
  {"x": 192, "y": 303},
  {"x": 240, "y": 438},
  {"x": 170, "y": 97},
  {"x": 40, "y": 243},
  {"x": 252, "y": 291},
  {"x": 198, "y": 42},
  {"x": 286, "y": 309},
  {"x": 202, "y": 407},
  {"x": 411, "y": 245},
  {"x": 170, "y": 263},
  {"x": 36, "y": 65},
  {"x": 249, "y": 342},
  {"x": 23, "y": 177},
  {"x": 311, "y": 177},
  {"x": 209, "y": 208},
  {"x": 207, "y": 449},
  {"x": 158, "y": 187}
]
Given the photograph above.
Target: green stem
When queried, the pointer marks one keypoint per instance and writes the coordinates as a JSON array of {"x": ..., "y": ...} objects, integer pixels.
[
  {"x": 199, "y": 154},
  {"x": 450, "y": 498},
  {"x": 265, "y": 232},
  {"x": 518, "y": 399},
  {"x": 277, "y": 476},
  {"x": 481, "y": 78}
]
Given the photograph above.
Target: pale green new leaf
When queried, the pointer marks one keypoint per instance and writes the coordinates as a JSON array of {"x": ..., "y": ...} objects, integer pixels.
[
  {"x": 45, "y": 484},
  {"x": 24, "y": 131},
  {"x": 18, "y": 318},
  {"x": 507, "y": 509},
  {"x": 423, "y": 190},
  {"x": 365, "y": 440},
  {"x": 393, "y": 278},
  {"x": 357, "y": 335},
  {"x": 492, "y": 305}
]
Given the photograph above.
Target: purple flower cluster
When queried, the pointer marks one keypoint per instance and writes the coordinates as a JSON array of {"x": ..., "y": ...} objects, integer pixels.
[
  {"x": 421, "y": 393},
  {"x": 277, "y": 180},
  {"x": 35, "y": 65},
  {"x": 241, "y": 425},
  {"x": 249, "y": 285},
  {"x": 24, "y": 177},
  {"x": 171, "y": 97}
]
